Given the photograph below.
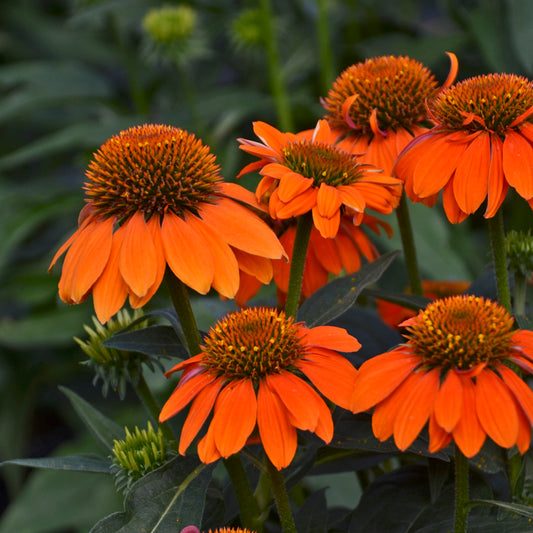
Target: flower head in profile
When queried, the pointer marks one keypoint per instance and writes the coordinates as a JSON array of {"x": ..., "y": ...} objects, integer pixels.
[
  {"x": 454, "y": 372},
  {"x": 251, "y": 376},
  {"x": 482, "y": 143},
  {"x": 325, "y": 257},
  {"x": 155, "y": 197},
  {"x": 308, "y": 172},
  {"x": 377, "y": 106}
]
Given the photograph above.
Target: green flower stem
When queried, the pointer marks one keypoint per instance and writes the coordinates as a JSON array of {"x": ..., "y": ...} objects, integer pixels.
[
  {"x": 182, "y": 305},
  {"x": 497, "y": 241},
  {"x": 149, "y": 400},
  {"x": 299, "y": 253},
  {"x": 249, "y": 509},
  {"x": 408, "y": 244},
  {"x": 520, "y": 285},
  {"x": 277, "y": 82},
  {"x": 461, "y": 491},
  {"x": 282, "y": 499},
  {"x": 324, "y": 46}
]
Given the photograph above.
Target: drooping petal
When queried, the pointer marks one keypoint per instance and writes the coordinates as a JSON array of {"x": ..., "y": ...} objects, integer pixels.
[
  {"x": 451, "y": 208},
  {"x": 348, "y": 252},
  {"x": 278, "y": 435},
  {"x": 518, "y": 163},
  {"x": 326, "y": 252},
  {"x": 439, "y": 438},
  {"x": 291, "y": 185},
  {"x": 328, "y": 200},
  {"x": 379, "y": 153},
  {"x": 137, "y": 259},
  {"x": 498, "y": 186},
  {"x": 256, "y": 266},
  {"x": 351, "y": 197},
  {"x": 303, "y": 203},
  {"x": 520, "y": 390},
  {"x": 328, "y": 227},
  {"x": 331, "y": 337},
  {"x": 207, "y": 449},
  {"x": 239, "y": 193},
  {"x": 235, "y": 416},
  {"x": 496, "y": 409},
  {"x": 449, "y": 402},
  {"x": 187, "y": 254}
]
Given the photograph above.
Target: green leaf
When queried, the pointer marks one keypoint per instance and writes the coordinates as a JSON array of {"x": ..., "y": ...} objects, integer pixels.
[
  {"x": 336, "y": 297},
  {"x": 103, "y": 429},
  {"x": 78, "y": 462},
  {"x": 160, "y": 341},
  {"x": 312, "y": 516},
  {"x": 523, "y": 510},
  {"x": 163, "y": 501},
  {"x": 410, "y": 301}
]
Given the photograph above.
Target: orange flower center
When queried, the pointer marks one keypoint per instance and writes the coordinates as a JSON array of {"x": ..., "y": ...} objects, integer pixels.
[
  {"x": 152, "y": 169},
  {"x": 490, "y": 102},
  {"x": 461, "y": 332},
  {"x": 252, "y": 343},
  {"x": 323, "y": 162},
  {"x": 396, "y": 87}
]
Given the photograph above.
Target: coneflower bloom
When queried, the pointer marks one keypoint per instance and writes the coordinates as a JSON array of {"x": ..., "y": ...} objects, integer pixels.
[
  {"x": 377, "y": 106},
  {"x": 454, "y": 373},
  {"x": 325, "y": 257},
  {"x": 308, "y": 172},
  {"x": 252, "y": 374},
  {"x": 482, "y": 143},
  {"x": 155, "y": 197}
]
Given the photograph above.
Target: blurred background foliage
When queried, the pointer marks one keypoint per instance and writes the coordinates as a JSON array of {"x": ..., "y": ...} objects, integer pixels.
[{"x": 75, "y": 72}]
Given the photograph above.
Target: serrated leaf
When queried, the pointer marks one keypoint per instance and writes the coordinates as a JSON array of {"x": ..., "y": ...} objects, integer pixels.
[
  {"x": 163, "y": 501},
  {"x": 161, "y": 341},
  {"x": 103, "y": 429},
  {"x": 339, "y": 295},
  {"x": 77, "y": 462}
]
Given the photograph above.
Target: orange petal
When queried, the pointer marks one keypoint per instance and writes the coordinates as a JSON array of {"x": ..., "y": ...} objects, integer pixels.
[
  {"x": 235, "y": 416},
  {"x": 379, "y": 376},
  {"x": 520, "y": 390},
  {"x": 468, "y": 433},
  {"x": 237, "y": 192},
  {"x": 241, "y": 228},
  {"x": 207, "y": 449},
  {"x": 333, "y": 375},
  {"x": 384, "y": 416},
  {"x": 496, "y": 409},
  {"x": 523, "y": 439},
  {"x": 379, "y": 153},
  {"x": 110, "y": 290},
  {"x": 137, "y": 260},
  {"x": 326, "y": 252},
  {"x": 328, "y": 200},
  {"x": 449, "y": 402},
  {"x": 269, "y": 135},
  {"x": 327, "y": 226},
  {"x": 518, "y": 163},
  {"x": 438, "y": 437},
  {"x": 198, "y": 413},
  {"x": 498, "y": 186},
  {"x": 451, "y": 208},
  {"x": 226, "y": 276},
  {"x": 256, "y": 266},
  {"x": 315, "y": 275},
  {"x": 183, "y": 394},
  {"x": 278, "y": 435},
  {"x": 351, "y": 197},
  {"x": 303, "y": 203},
  {"x": 187, "y": 254},
  {"x": 86, "y": 260},
  {"x": 331, "y": 337},
  {"x": 471, "y": 178},
  {"x": 417, "y": 404}
]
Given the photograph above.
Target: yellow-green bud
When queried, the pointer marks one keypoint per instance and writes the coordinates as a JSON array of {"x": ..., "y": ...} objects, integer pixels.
[
  {"x": 247, "y": 28},
  {"x": 519, "y": 249},
  {"x": 168, "y": 24}
]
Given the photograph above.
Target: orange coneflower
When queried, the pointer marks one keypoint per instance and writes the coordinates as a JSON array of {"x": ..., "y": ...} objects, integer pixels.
[
  {"x": 377, "y": 106},
  {"x": 324, "y": 257},
  {"x": 455, "y": 372},
  {"x": 155, "y": 197},
  {"x": 251, "y": 373},
  {"x": 482, "y": 144},
  {"x": 308, "y": 172}
]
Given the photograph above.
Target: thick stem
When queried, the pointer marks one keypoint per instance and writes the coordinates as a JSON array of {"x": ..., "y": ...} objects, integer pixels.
[
  {"x": 461, "y": 491},
  {"x": 408, "y": 244},
  {"x": 299, "y": 253},
  {"x": 497, "y": 241},
  {"x": 282, "y": 499},
  {"x": 277, "y": 82},
  {"x": 182, "y": 305},
  {"x": 324, "y": 46},
  {"x": 249, "y": 510}
]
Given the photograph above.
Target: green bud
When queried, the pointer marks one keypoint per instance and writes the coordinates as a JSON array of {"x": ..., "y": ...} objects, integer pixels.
[
  {"x": 519, "y": 249},
  {"x": 247, "y": 28},
  {"x": 168, "y": 24}
]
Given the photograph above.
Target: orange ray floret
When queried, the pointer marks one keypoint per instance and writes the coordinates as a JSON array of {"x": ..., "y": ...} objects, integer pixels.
[
  {"x": 479, "y": 146},
  {"x": 155, "y": 198},
  {"x": 251, "y": 374},
  {"x": 452, "y": 373}
]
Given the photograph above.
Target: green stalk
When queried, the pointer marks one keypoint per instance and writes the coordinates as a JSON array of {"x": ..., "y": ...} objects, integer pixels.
[
  {"x": 299, "y": 253},
  {"x": 277, "y": 81},
  {"x": 408, "y": 244},
  {"x": 282, "y": 499},
  {"x": 324, "y": 46},
  {"x": 520, "y": 285},
  {"x": 249, "y": 510},
  {"x": 461, "y": 491},
  {"x": 497, "y": 241},
  {"x": 182, "y": 305},
  {"x": 149, "y": 400}
]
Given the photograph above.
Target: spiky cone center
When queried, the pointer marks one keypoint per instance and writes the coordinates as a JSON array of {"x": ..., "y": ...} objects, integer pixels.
[
  {"x": 251, "y": 344},
  {"x": 461, "y": 332},
  {"x": 323, "y": 162},
  {"x": 396, "y": 87},
  {"x": 491, "y": 102},
  {"x": 153, "y": 169}
]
